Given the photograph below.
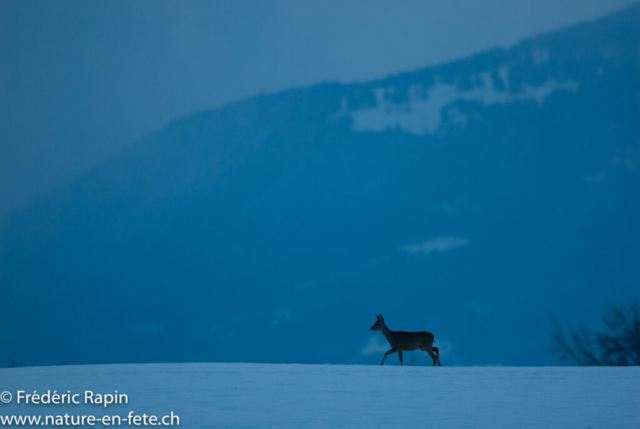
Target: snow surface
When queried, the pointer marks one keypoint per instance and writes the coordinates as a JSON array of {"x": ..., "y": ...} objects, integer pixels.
[{"x": 233, "y": 395}]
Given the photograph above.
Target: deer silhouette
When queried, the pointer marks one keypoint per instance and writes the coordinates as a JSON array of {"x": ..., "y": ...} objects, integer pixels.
[{"x": 401, "y": 341}]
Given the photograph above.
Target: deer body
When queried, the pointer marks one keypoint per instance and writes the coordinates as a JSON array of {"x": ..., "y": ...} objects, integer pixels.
[{"x": 401, "y": 341}]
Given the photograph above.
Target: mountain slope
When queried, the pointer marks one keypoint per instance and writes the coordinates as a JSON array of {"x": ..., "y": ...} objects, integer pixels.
[{"x": 475, "y": 200}]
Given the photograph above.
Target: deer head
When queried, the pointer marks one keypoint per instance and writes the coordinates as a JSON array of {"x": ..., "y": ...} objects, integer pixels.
[{"x": 379, "y": 325}]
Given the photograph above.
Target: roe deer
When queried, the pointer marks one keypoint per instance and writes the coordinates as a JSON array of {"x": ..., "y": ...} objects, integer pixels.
[{"x": 401, "y": 341}]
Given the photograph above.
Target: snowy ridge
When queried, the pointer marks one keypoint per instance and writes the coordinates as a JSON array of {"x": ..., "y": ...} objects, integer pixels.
[{"x": 232, "y": 395}]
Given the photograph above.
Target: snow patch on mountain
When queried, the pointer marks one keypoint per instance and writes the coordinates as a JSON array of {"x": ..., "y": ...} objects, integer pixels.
[
  {"x": 422, "y": 113},
  {"x": 439, "y": 244},
  {"x": 540, "y": 56},
  {"x": 375, "y": 345}
]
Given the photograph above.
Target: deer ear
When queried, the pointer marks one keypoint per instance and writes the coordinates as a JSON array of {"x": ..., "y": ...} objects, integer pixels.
[
  {"x": 378, "y": 316},
  {"x": 381, "y": 318}
]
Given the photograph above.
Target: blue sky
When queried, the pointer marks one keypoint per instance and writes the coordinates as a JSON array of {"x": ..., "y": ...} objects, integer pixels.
[{"x": 81, "y": 80}]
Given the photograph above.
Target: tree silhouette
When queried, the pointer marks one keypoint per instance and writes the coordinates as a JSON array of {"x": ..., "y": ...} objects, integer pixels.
[{"x": 618, "y": 345}]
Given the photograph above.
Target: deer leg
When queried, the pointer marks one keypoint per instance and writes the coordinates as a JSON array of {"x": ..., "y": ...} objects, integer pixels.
[
  {"x": 430, "y": 353},
  {"x": 386, "y": 354},
  {"x": 437, "y": 353},
  {"x": 400, "y": 354}
]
